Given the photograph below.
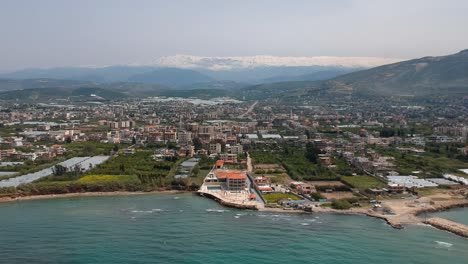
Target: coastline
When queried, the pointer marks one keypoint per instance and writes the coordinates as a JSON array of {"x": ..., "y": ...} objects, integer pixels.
[
  {"x": 83, "y": 194},
  {"x": 402, "y": 213}
]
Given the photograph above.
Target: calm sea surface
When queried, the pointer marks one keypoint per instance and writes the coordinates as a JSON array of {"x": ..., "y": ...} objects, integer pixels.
[{"x": 189, "y": 229}]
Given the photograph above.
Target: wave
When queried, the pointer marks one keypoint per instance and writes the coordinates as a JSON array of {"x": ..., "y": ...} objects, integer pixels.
[
  {"x": 444, "y": 244},
  {"x": 147, "y": 211},
  {"x": 217, "y": 210}
]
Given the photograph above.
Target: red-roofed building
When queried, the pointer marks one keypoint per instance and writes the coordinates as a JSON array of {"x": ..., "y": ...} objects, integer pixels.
[
  {"x": 219, "y": 164},
  {"x": 235, "y": 180}
]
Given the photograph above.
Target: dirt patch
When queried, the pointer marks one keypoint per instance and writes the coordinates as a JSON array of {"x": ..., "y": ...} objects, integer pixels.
[
  {"x": 338, "y": 195},
  {"x": 326, "y": 183},
  {"x": 268, "y": 167}
]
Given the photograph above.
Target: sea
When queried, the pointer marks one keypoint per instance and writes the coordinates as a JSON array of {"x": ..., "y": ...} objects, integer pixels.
[{"x": 185, "y": 228}]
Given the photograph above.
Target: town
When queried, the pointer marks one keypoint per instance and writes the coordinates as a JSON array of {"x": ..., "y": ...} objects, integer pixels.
[
  {"x": 392, "y": 159},
  {"x": 328, "y": 155}
]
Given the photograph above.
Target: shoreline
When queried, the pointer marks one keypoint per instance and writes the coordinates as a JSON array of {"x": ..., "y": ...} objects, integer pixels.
[
  {"x": 398, "y": 220},
  {"x": 83, "y": 194}
]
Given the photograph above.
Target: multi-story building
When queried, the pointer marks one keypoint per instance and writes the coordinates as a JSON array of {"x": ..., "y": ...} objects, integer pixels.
[
  {"x": 215, "y": 148},
  {"x": 184, "y": 137}
]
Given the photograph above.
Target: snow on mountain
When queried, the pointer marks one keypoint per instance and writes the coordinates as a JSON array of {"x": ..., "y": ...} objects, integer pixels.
[{"x": 229, "y": 63}]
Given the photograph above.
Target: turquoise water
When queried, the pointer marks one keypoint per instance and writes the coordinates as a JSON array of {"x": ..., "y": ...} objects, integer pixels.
[{"x": 190, "y": 229}]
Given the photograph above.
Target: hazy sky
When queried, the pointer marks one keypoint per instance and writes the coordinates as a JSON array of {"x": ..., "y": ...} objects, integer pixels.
[{"x": 50, "y": 33}]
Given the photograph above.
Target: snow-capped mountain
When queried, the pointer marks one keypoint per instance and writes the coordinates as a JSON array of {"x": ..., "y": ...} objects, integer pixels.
[{"x": 230, "y": 63}]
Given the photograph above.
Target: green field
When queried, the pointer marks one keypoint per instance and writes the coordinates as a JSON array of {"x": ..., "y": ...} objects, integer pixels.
[
  {"x": 276, "y": 197},
  {"x": 106, "y": 178},
  {"x": 295, "y": 163},
  {"x": 431, "y": 164},
  {"x": 363, "y": 182},
  {"x": 140, "y": 164}
]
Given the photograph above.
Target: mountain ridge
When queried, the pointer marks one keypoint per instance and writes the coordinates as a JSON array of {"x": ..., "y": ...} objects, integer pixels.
[{"x": 416, "y": 77}]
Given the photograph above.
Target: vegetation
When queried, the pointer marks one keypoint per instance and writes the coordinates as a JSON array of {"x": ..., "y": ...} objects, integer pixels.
[
  {"x": 200, "y": 171},
  {"x": 32, "y": 166},
  {"x": 267, "y": 157},
  {"x": 431, "y": 164},
  {"x": 316, "y": 196},
  {"x": 42, "y": 188},
  {"x": 141, "y": 164},
  {"x": 363, "y": 182},
  {"x": 106, "y": 178},
  {"x": 90, "y": 148},
  {"x": 296, "y": 162},
  {"x": 340, "y": 204},
  {"x": 300, "y": 168},
  {"x": 276, "y": 197}
]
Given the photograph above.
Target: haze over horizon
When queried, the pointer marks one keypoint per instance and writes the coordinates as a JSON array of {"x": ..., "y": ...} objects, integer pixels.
[{"x": 53, "y": 33}]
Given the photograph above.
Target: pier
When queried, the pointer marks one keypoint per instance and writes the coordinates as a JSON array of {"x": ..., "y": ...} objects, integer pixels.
[{"x": 447, "y": 225}]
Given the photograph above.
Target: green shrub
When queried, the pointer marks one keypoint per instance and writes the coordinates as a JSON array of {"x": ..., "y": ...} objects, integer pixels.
[{"x": 340, "y": 204}]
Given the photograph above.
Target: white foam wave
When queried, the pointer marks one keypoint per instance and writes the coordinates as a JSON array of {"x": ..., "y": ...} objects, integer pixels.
[
  {"x": 444, "y": 244},
  {"x": 217, "y": 210}
]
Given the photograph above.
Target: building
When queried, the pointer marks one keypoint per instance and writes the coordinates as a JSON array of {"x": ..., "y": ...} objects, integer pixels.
[
  {"x": 219, "y": 164},
  {"x": 215, "y": 148},
  {"x": 184, "y": 137},
  {"x": 237, "y": 149},
  {"x": 228, "y": 180},
  {"x": 229, "y": 158}
]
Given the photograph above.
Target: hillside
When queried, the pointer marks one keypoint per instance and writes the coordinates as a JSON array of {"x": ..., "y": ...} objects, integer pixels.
[
  {"x": 419, "y": 77},
  {"x": 177, "y": 77},
  {"x": 171, "y": 77},
  {"x": 46, "y": 94},
  {"x": 428, "y": 75},
  {"x": 10, "y": 85}
]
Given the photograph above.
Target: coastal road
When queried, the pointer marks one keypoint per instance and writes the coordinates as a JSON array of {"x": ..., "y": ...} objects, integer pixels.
[
  {"x": 250, "y": 183},
  {"x": 249, "y": 163},
  {"x": 248, "y": 110}
]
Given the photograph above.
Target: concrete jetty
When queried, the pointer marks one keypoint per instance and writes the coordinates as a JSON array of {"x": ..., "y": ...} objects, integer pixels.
[
  {"x": 231, "y": 201},
  {"x": 447, "y": 225}
]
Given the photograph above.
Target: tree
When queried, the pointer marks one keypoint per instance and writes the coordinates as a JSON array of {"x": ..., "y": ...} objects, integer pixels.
[
  {"x": 195, "y": 170},
  {"x": 89, "y": 149},
  {"x": 172, "y": 145},
  {"x": 387, "y": 132},
  {"x": 77, "y": 169},
  {"x": 312, "y": 152},
  {"x": 340, "y": 204},
  {"x": 68, "y": 140},
  {"x": 134, "y": 141},
  {"x": 197, "y": 143},
  {"x": 59, "y": 170}
]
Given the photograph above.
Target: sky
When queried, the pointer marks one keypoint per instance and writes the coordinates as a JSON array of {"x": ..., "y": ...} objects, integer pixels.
[{"x": 56, "y": 33}]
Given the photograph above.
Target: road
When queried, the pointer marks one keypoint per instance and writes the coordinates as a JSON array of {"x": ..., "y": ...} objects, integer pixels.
[
  {"x": 250, "y": 183},
  {"x": 249, "y": 163},
  {"x": 248, "y": 110}
]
